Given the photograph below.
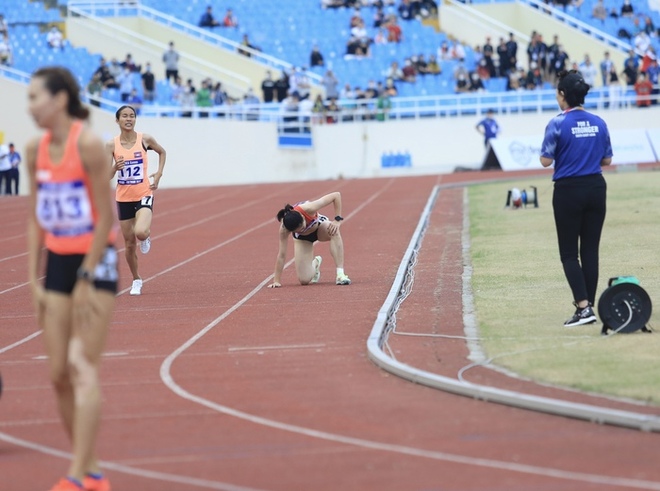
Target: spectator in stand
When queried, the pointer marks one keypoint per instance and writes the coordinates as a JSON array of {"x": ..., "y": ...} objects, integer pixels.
[
  {"x": 318, "y": 110},
  {"x": 381, "y": 36},
  {"x": 130, "y": 64},
  {"x": 94, "y": 89},
  {"x": 632, "y": 56},
  {"x": 171, "y": 61},
  {"x": 115, "y": 70},
  {"x": 302, "y": 83},
  {"x": 460, "y": 69},
  {"x": 482, "y": 70},
  {"x": 476, "y": 83},
  {"x": 420, "y": 63},
  {"x": 207, "y": 19},
  {"x": 268, "y": 87},
  {"x": 4, "y": 27},
  {"x": 457, "y": 50},
  {"x": 588, "y": 71},
  {"x": 534, "y": 78},
  {"x": 135, "y": 101},
  {"x": 614, "y": 90},
  {"x": 643, "y": 88},
  {"x": 432, "y": 66},
  {"x": 599, "y": 11},
  {"x": 245, "y": 43},
  {"x": 188, "y": 98},
  {"x": 614, "y": 14},
  {"x": 551, "y": 55},
  {"x": 219, "y": 96},
  {"x": 653, "y": 74},
  {"x": 379, "y": 17},
  {"x": 390, "y": 88},
  {"x": 409, "y": 71},
  {"x": 315, "y": 57},
  {"x": 177, "y": 91},
  {"x": 512, "y": 51},
  {"x": 282, "y": 86},
  {"x": 406, "y": 11},
  {"x": 641, "y": 42},
  {"x": 503, "y": 60},
  {"x": 203, "y": 98},
  {"x": 606, "y": 68},
  {"x": 630, "y": 73},
  {"x": 330, "y": 84},
  {"x": 394, "y": 72},
  {"x": 461, "y": 84},
  {"x": 126, "y": 85},
  {"x": 394, "y": 33},
  {"x": 5, "y": 51},
  {"x": 649, "y": 27},
  {"x": 148, "y": 83},
  {"x": 230, "y": 19},
  {"x": 488, "y": 51},
  {"x": 332, "y": 112},
  {"x": 383, "y": 106},
  {"x": 514, "y": 80},
  {"x": 443, "y": 52},
  {"x": 55, "y": 39},
  {"x": 627, "y": 9}
]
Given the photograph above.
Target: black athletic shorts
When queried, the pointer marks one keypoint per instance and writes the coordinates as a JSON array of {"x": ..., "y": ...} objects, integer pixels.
[
  {"x": 314, "y": 236},
  {"x": 126, "y": 210},
  {"x": 62, "y": 269}
]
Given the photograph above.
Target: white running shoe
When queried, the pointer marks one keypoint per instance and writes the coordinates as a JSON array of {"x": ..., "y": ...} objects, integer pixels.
[
  {"x": 342, "y": 279},
  {"x": 136, "y": 288},
  {"x": 317, "y": 270},
  {"x": 145, "y": 245}
]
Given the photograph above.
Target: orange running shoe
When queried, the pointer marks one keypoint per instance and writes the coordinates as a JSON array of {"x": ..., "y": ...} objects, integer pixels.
[
  {"x": 92, "y": 484},
  {"x": 65, "y": 484}
]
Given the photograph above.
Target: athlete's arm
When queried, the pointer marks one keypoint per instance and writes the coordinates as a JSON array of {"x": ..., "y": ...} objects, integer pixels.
[
  {"x": 312, "y": 207},
  {"x": 150, "y": 143},
  {"x": 93, "y": 156},
  {"x": 35, "y": 234},
  {"x": 281, "y": 258},
  {"x": 546, "y": 161},
  {"x": 115, "y": 164},
  {"x": 606, "y": 161}
]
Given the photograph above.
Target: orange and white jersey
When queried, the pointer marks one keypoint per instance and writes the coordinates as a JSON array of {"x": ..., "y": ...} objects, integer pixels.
[
  {"x": 132, "y": 180},
  {"x": 64, "y": 207}
]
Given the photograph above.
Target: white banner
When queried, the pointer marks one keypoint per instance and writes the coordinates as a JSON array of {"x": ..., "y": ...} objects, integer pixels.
[{"x": 628, "y": 146}]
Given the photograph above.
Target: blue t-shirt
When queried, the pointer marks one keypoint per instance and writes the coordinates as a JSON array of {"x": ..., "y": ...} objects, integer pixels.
[
  {"x": 577, "y": 141},
  {"x": 491, "y": 128}
]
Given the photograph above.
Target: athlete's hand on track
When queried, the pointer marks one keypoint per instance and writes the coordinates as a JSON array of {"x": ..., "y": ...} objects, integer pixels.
[{"x": 275, "y": 284}]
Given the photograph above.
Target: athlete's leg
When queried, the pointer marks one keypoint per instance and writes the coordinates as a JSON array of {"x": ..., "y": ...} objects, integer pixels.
[
  {"x": 304, "y": 258},
  {"x": 57, "y": 326},
  {"x": 143, "y": 223},
  {"x": 336, "y": 244},
  {"x": 90, "y": 327},
  {"x": 130, "y": 245}
]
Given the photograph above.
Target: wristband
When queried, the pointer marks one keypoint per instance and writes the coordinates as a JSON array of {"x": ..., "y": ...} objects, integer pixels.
[{"x": 85, "y": 275}]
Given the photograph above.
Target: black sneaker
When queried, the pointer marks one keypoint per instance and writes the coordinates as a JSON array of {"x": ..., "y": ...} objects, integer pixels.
[{"x": 581, "y": 316}]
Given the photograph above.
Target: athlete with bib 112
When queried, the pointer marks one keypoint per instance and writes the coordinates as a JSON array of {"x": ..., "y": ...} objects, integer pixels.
[{"x": 135, "y": 191}]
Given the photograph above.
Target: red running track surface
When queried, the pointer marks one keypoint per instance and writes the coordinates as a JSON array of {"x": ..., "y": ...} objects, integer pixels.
[{"x": 212, "y": 381}]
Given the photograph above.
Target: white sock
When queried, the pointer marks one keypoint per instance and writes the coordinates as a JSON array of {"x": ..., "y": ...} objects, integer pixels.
[{"x": 340, "y": 271}]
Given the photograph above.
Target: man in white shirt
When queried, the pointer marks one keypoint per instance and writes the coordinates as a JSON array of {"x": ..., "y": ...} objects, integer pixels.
[
  {"x": 5, "y": 170},
  {"x": 55, "y": 38}
]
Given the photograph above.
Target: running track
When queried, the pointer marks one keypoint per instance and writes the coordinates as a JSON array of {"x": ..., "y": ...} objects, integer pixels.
[{"x": 212, "y": 381}]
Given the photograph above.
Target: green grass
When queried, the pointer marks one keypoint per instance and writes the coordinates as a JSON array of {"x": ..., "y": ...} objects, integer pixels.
[{"x": 522, "y": 297}]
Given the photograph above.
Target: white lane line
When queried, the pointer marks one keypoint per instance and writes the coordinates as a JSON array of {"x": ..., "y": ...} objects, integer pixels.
[
  {"x": 126, "y": 469},
  {"x": 109, "y": 354},
  {"x": 280, "y": 347}
]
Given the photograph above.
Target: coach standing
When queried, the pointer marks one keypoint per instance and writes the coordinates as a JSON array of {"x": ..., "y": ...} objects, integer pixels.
[{"x": 579, "y": 144}]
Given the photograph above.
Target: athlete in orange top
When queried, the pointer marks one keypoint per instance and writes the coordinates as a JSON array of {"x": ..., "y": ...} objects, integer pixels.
[
  {"x": 304, "y": 222},
  {"x": 71, "y": 214},
  {"x": 128, "y": 156}
]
